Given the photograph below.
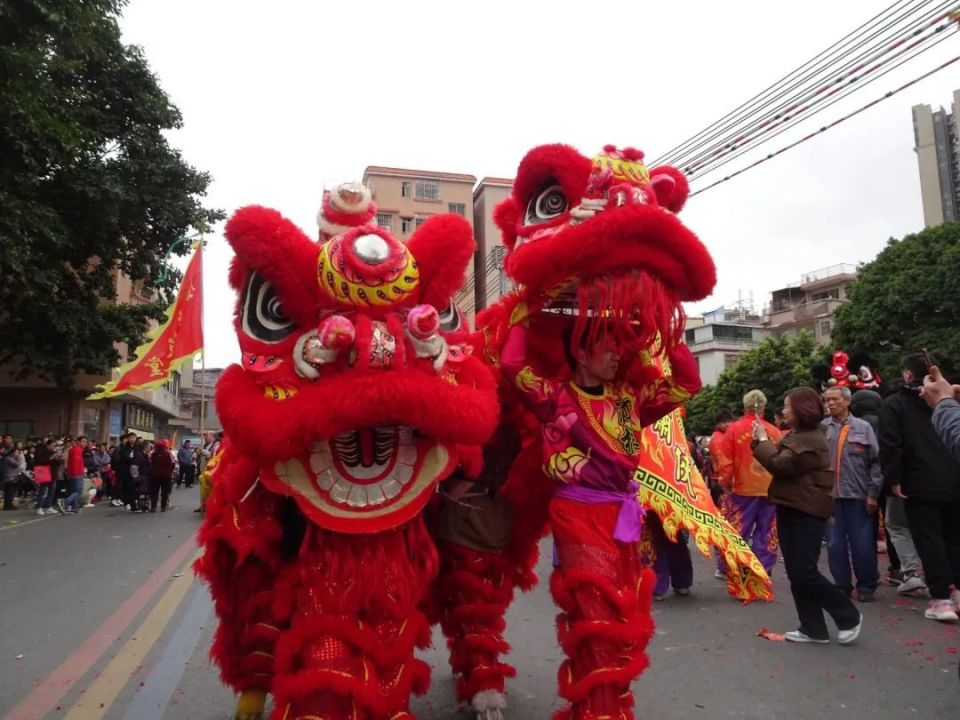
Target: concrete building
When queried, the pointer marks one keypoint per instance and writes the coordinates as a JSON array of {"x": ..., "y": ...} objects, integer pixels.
[
  {"x": 720, "y": 337},
  {"x": 810, "y": 304},
  {"x": 937, "y": 138},
  {"x": 205, "y": 387},
  {"x": 490, "y": 280},
  {"x": 406, "y": 198},
  {"x": 33, "y": 406}
]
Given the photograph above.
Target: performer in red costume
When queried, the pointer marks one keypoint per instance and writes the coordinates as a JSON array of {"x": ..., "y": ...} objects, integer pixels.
[
  {"x": 349, "y": 407},
  {"x": 591, "y": 428},
  {"x": 602, "y": 264}
]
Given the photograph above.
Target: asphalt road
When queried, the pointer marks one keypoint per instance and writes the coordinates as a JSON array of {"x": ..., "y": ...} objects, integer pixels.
[{"x": 101, "y": 618}]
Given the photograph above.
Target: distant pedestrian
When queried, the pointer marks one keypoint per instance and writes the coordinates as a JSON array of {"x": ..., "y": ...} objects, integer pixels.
[
  {"x": 802, "y": 490},
  {"x": 188, "y": 467},
  {"x": 161, "y": 476},
  {"x": 76, "y": 470},
  {"x": 14, "y": 464},
  {"x": 43, "y": 476}
]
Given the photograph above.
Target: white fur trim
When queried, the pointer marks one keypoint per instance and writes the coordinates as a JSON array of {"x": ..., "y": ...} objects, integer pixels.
[
  {"x": 488, "y": 700},
  {"x": 330, "y": 228}
]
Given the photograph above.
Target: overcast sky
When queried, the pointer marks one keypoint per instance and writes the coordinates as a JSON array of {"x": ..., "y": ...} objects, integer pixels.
[{"x": 280, "y": 99}]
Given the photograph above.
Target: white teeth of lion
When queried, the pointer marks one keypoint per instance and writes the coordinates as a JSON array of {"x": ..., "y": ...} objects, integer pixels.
[
  {"x": 320, "y": 460},
  {"x": 403, "y": 473},
  {"x": 357, "y": 496},
  {"x": 391, "y": 488},
  {"x": 325, "y": 479},
  {"x": 339, "y": 492},
  {"x": 375, "y": 495}
]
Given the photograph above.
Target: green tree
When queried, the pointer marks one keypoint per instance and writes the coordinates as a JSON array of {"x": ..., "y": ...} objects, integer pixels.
[
  {"x": 88, "y": 185},
  {"x": 776, "y": 365},
  {"x": 906, "y": 299}
]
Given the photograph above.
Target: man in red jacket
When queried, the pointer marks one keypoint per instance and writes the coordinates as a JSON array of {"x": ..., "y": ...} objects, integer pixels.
[
  {"x": 75, "y": 472},
  {"x": 161, "y": 475}
]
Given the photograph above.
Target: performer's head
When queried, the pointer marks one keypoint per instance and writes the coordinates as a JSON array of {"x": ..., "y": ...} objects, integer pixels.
[
  {"x": 754, "y": 402},
  {"x": 593, "y": 356}
]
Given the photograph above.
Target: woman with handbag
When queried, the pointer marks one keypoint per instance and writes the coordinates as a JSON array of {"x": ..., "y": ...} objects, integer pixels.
[{"x": 43, "y": 476}]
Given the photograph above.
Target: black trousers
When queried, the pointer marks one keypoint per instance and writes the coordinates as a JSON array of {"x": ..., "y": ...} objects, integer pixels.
[
  {"x": 9, "y": 492},
  {"x": 160, "y": 487},
  {"x": 187, "y": 474},
  {"x": 801, "y": 538},
  {"x": 935, "y": 529}
]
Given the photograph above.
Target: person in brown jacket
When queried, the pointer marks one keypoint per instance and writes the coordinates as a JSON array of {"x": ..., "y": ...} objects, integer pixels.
[{"x": 802, "y": 491}]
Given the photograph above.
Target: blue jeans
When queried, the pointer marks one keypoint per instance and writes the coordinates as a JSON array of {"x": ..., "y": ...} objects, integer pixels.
[
  {"x": 45, "y": 495},
  {"x": 75, "y": 487},
  {"x": 853, "y": 537}
]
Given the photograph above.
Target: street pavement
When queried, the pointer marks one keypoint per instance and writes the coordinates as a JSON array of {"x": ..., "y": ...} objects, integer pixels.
[{"x": 102, "y": 618}]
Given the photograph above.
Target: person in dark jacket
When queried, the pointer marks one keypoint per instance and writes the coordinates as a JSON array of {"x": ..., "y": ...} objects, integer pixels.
[
  {"x": 905, "y": 571},
  {"x": 187, "y": 460},
  {"x": 918, "y": 468},
  {"x": 123, "y": 462},
  {"x": 801, "y": 490},
  {"x": 162, "y": 463}
]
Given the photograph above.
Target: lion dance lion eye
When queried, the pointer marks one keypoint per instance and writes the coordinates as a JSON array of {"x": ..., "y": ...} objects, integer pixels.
[
  {"x": 262, "y": 317},
  {"x": 546, "y": 205}
]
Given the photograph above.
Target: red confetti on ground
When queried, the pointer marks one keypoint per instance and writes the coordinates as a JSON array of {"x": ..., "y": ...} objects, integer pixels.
[
  {"x": 770, "y": 635},
  {"x": 952, "y": 651}
]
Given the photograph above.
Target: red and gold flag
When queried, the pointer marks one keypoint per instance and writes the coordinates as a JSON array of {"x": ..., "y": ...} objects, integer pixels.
[{"x": 177, "y": 338}]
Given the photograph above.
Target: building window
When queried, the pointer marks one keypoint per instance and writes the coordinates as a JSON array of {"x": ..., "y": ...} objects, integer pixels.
[
  {"x": 406, "y": 225},
  {"x": 833, "y": 294},
  {"x": 824, "y": 328},
  {"x": 458, "y": 208},
  {"x": 420, "y": 221},
  {"x": 729, "y": 360},
  {"x": 385, "y": 220},
  {"x": 427, "y": 190},
  {"x": 732, "y": 332},
  {"x": 405, "y": 190},
  {"x": 689, "y": 337}
]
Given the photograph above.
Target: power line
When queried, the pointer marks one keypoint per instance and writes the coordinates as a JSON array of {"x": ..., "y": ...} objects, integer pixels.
[
  {"x": 797, "y": 110},
  {"x": 849, "y": 91},
  {"x": 827, "y": 127},
  {"x": 762, "y": 96}
]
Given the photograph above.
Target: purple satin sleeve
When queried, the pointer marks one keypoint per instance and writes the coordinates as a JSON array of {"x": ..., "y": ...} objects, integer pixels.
[{"x": 630, "y": 519}]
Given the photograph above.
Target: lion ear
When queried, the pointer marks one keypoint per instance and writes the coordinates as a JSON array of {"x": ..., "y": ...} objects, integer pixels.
[
  {"x": 670, "y": 186},
  {"x": 506, "y": 215}
]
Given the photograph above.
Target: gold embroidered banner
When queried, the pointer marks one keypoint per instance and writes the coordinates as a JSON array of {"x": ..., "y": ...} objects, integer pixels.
[{"x": 671, "y": 486}]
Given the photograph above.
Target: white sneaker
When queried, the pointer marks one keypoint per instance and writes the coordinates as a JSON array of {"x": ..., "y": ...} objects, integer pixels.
[
  {"x": 910, "y": 584},
  {"x": 41, "y": 511},
  {"x": 720, "y": 575},
  {"x": 942, "y": 610},
  {"x": 798, "y": 636},
  {"x": 845, "y": 637}
]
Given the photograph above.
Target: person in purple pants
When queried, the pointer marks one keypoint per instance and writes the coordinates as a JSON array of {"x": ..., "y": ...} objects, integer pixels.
[{"x": 672, "y": 563}]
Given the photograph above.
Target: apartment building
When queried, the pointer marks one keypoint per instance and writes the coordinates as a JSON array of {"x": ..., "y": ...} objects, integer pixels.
[
  {"x": 405, "y": 198},
  {"x": 718, "y": 338},
  {"x": 937, "y": 144},
  {"x": 490, "y": 279},
  {"x": 811, "y": 303}
]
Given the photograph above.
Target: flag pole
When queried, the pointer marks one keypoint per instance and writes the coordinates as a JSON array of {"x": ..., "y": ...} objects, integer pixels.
[{"x": 203, "y": 355}]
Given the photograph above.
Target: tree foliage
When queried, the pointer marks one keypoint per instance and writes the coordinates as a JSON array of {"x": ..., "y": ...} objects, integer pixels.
[
  {"x": 776, "y": 366},
  {"x": 88, "y": 185},
  {"x": 906, "y": 299}
]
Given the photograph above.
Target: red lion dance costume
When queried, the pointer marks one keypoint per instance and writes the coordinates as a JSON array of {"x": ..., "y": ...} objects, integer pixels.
[
  {"x": 589, "y": 239},
  {"x": 315, "y": 546}
]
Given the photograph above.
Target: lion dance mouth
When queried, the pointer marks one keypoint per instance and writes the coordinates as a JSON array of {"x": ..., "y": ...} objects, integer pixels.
[{"x": 369, "y": 473}]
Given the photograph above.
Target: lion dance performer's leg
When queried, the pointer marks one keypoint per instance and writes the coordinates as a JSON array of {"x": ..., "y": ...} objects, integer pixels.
[
  {"x": 242, "y": 537},
  {"x": 471, "y": 597},
  {"x": 605, "y": 624},
  {"x": 348, "y": 654}
]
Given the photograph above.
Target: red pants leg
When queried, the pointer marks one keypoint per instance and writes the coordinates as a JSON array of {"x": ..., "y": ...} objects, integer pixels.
[
  {"x": 348, "y": 654},
  {"x": 605, "y": 623},
  {"x": 471, "y": 596}
]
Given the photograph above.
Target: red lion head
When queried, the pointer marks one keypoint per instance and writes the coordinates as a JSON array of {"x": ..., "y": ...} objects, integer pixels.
[
  {"x": 603, "y": 234},
  {"x": 352, "y": 396}
]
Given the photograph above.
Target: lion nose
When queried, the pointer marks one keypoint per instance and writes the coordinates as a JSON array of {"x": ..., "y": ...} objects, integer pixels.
[{"x": 371, "y": 249}]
